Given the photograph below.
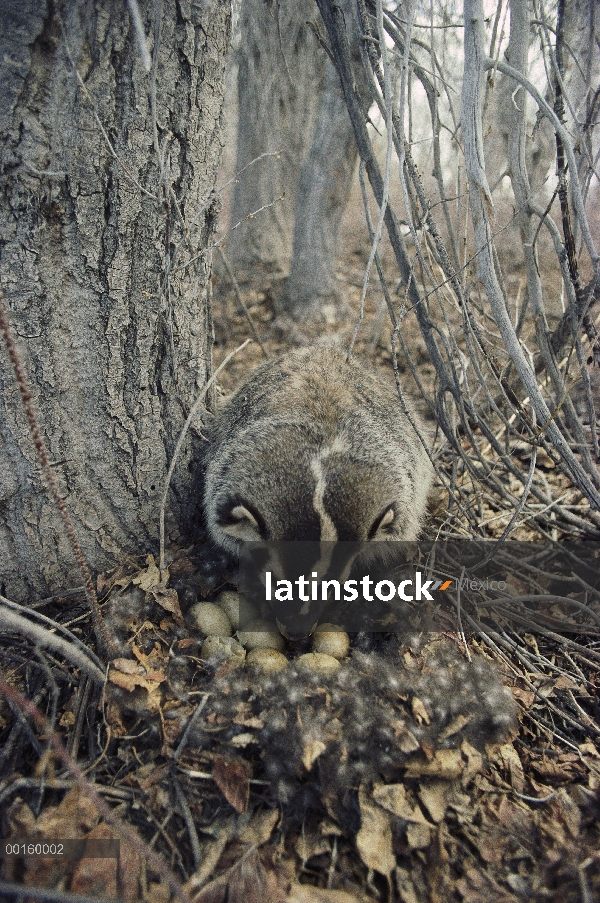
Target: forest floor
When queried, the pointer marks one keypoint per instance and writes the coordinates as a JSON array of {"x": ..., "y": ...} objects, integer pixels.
[{"x": 434, "y": 767}]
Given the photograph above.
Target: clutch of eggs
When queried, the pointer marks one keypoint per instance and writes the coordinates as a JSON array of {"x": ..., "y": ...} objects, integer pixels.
[{"x": 260, "y": 645}]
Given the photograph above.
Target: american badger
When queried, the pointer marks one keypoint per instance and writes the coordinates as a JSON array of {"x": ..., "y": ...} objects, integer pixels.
[{"x": 314, "y": 447}]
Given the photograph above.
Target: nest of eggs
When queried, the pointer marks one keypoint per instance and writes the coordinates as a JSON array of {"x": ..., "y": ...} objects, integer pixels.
[
  {"x": 258, "y": 644},
  {"x": 349, "y": 709}
]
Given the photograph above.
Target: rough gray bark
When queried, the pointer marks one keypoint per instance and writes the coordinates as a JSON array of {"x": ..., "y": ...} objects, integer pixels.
[
  {"x": 581, "y": 28},
  {"x": 92, "y": 201},
  {"x": 539, "y": 145},
  {"x": 323, "y": 191},
  {"x": 280, "y": 74}
]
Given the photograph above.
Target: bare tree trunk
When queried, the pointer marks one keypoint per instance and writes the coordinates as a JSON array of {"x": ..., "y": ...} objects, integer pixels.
[
  {"x": 280, "y": 75},
  {"x": 581, "y": 60},
  {"x": 94, "y": 197},
  {"x": 323, "y": 191},
  {"x": 539, "y": 147},
  {"x": 582, "y": 77}
]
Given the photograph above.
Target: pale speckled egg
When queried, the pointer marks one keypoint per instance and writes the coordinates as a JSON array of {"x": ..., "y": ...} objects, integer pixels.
[
  {"x": 268, "y": 661},
  {"x": 209, "y": 619},
  {"x": 331, "y": 640},
  {"x": 261, "y": 635},
  {"x": 319, "y": 662}
]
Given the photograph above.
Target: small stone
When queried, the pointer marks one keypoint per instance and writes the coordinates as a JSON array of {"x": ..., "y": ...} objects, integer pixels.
[
  {"x": 268, "y": 661},
  {"x": 261, "y": 635},
  {"x": 319, "y": 662},
  {"x": 331, "y": 640},
  {"x": 223, "y": 649},
  {"x": 210, "y": 619}
]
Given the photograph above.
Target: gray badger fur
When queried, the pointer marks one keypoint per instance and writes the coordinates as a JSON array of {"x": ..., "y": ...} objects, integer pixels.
[{"x": 312, "y": 447}]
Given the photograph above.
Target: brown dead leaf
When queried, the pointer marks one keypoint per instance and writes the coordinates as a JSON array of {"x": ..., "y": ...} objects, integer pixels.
[
  {"x": 169, "y": 600},
  {"x": 253, "y": 879},
  {"x": 148, "y": 662},
  {"x": 509, "y": 762},
  {"x": 156, "y": 892},
  {"x": 454, "y": 727},
  {"x": 565, "y": 815},
  {"x": 183, "y": 567},
  {"x": 427, "y": 749},
  {"x": 152, "y": 661},
  {"x": 74, "y": 817},
  {"x": 554, "y": 769},
  {"x": 67, "y": 719},
  {"x": 406, "y": 888},
  {"x": 511, "y": 819},
  {"x": 565, "y": 683},
  {"x": 98, "y": 877},
  {"x": 223, "y": 831},
  {"x": 260, "y": 828},
  {"x": 241, "y": 741},
  {"x": 249, "y": 721},
  {"x": 525, "y": 697},
  {"x": 328, "y": 827},
  {"x": 232, "y": 780},
  {"x": 420, "y": 713},
  {"x": 149, "y": 578},
  {"x": 131, "y": 681},
  {"x": 311, "y": 752},
  {"x": 125, "y": 665},
  {"x": 492, "y": 850},
  {"x": 589, "y": 749},
  {"x": 147, "y": 777},
  {"x": 116, "y": 577},
  {"x": 305, "y": 893},
  {"x": 311, "y": 843},
  {"x": 540, "y": 789},
  {"x": 114, "y": 719},
  {"x": 545, "y": 686},
  {"x": 434, "y": 796},
  {"x": 394, "y": 798},
  {"x": 515, "y": 587},
  {"x": 406, "y": 741},
  {"x": 418, "y": 836},
  {"x": 474, "y": 761},
  {"x": 447, "y": 764},
  {"x": 131, "y": 872},
  {"x": 374, "y": 840},
  {"x": 477, "y": 887}
]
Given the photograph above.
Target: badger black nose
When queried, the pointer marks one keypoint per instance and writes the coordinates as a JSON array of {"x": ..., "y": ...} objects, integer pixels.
[{"x": 295, "y": 632}]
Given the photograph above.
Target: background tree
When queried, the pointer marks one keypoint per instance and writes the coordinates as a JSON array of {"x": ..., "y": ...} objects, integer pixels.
[
  {"x": 323, "y": 190},
  {"x": 280, "y": 71},
  {"x": 106, "y": 210},
  {"x": 290, "y": 99},
  {"x": 322, "y": 194},
  {"x": 578, "y": 55}
]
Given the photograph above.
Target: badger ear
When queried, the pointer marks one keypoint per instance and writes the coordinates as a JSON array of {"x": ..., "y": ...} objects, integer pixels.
[{"x": 242, "y": 524}]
